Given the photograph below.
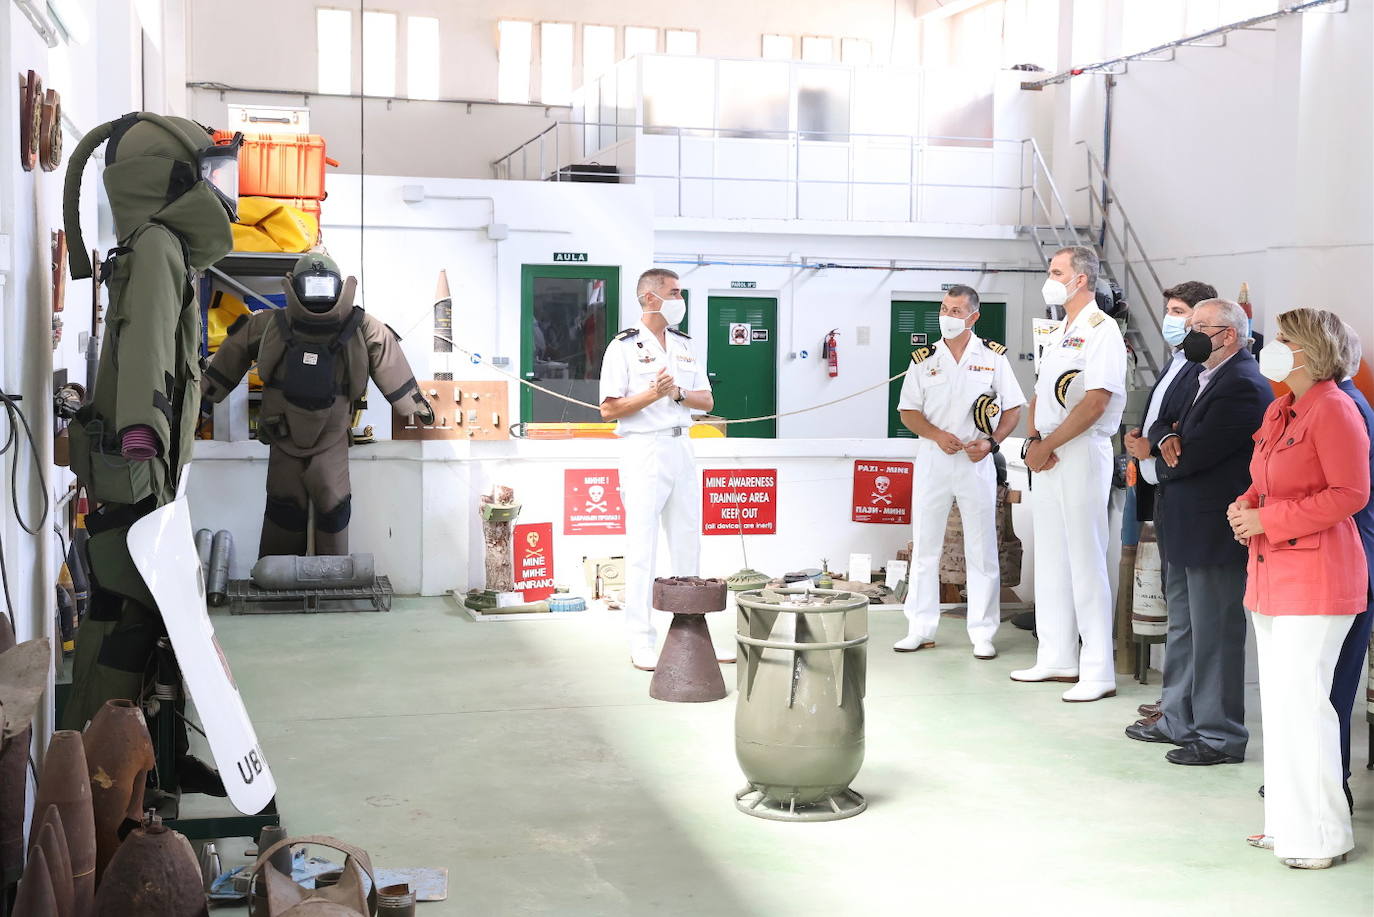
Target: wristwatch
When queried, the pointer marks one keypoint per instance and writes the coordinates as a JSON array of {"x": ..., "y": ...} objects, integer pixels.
[
  {"x": 996, "y": 446},
  {"x": 681, "y": 395},
  {"x": 1025, "y": 446}
]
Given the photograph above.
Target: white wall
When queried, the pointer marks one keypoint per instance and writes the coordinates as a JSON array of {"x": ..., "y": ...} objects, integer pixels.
[{"x": 1249, "y": 162}]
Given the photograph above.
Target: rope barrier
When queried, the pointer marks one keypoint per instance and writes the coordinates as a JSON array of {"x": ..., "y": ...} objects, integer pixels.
[{"x": 477, "y": 359}]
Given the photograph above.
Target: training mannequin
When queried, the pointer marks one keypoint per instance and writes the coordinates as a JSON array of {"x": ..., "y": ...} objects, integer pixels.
[
  {"x": 314, "y": 357},
  {"x": 172, "y": 195}
]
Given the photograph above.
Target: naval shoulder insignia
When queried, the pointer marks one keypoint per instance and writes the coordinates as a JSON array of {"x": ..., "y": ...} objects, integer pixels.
[
  {"x": 681, "y": 334},
  {"x": 921, "y": 353},
  {"x": 1096, "y": 319},
  {"x": 627, "y": 334},
  {"x": 995, "y": 347}
]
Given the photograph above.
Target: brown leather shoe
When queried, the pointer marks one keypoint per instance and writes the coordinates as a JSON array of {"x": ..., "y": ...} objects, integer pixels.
[
  {"x": 1149, "y": 720},
  {"x": 1150, "y": 709}
]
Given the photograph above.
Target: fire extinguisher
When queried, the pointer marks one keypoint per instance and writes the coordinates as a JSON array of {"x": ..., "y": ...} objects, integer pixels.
[{"x": 831, "y": 353}]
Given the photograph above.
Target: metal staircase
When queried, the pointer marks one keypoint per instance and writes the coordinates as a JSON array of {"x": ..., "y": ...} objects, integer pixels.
[{"x": 1110, "y": 233}]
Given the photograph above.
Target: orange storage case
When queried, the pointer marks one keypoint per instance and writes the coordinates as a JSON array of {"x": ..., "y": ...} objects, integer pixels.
[{"x": 281, "y": 165}]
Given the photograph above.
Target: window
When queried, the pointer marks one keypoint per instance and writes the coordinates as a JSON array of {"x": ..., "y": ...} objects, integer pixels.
[
  {"x": 857, "y": 52},
  {"x": 379, "y": 54},
  {"x": 422, "y": 57},
  {"x": 640, "y": 40},
  {"x": 334, "y": 47},
  {"x": 679, "y": 41},
  {"x": 777, "y": 47},
  {"x": 817, "y": 50},
  {"x": 555, "y": 63},
  {"x": 513, "y": 60},
  {"x": 598, "y": 51}
]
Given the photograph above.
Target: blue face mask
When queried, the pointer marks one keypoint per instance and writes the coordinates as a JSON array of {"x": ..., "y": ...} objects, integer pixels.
[{"x": 1174, "y": 329}]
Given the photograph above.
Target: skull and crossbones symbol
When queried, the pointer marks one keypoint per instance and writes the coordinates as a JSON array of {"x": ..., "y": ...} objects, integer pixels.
[
  {"x": 882, "y": 484},
  {"x": 596, "y": 499},
  {"x": 532, "y": 539}
]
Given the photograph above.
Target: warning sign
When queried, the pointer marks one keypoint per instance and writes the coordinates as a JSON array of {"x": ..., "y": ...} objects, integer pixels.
[
  {"x": 591, "y": 502},
  {"x": 533, "y": 546},
  {"x": 733, "y": 499},
  {"x": 882, "y": 492}
]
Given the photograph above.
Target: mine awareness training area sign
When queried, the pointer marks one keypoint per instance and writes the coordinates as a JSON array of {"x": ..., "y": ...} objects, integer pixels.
[
  {"x": 735, "y": 499},
  {"x": 882, "y": 492},
  {"x": 533, "y": 545}
]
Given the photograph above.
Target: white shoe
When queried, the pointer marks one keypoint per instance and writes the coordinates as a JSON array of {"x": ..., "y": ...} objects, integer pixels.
[
  {"x": 911, "y": 643},
  {"x": 1310, "y": 862},
  {"x": 1262, "y": 841},
  {"x": 1044, "y": 673},
  {"x": 1086, "y": 691},
  {"x": 984, "y": 649},
  {"x": 644, "y": 659}
]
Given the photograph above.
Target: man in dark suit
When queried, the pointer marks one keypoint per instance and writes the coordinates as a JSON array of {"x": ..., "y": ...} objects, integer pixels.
[
  {"x": 1205, "y": 460},
  {"x": 1172, "y": 391}
]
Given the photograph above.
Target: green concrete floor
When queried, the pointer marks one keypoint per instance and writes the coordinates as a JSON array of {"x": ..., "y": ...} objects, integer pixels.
[{"x": 528, "y": 759}]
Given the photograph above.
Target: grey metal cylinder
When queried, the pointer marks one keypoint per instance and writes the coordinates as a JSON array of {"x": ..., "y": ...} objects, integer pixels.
[
  {"x": 285, "y": 571},
  {"x": 217, "y": 577},
  {"x": 204, "y": 537},
  {"x": 799, "y": 719}
]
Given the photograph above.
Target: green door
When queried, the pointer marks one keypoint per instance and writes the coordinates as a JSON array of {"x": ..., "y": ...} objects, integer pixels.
[
  {"x": 568, "y": 315},
  {"x": 742, "y": 361},
  {"x": 917, "y": 323}
]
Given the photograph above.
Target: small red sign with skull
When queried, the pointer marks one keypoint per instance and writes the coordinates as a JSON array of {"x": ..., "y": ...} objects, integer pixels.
[
  {"x": 591, "y": 502},
  {"x": 533, "y": 547},
  {"x": 882, "y": 492}
]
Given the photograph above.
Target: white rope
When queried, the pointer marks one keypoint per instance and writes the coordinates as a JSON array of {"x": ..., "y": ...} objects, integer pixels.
[{"x": 477, "y": 358}]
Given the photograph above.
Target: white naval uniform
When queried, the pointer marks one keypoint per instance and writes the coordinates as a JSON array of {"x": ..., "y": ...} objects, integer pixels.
[
  {"x": 658, "y": 476},
  {"x": 944, "y": 390},
  {"x": 1073, "y": 595}
]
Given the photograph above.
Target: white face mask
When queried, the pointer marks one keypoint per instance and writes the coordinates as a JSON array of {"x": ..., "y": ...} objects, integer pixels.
[
  {"x": 951, "y": 326},
  {"x": 1276, "y": 361},
  {"x": 1175, "y": 329},
  {"x": 672, "y": 310},
  {"x": 1054, "y": 292}
]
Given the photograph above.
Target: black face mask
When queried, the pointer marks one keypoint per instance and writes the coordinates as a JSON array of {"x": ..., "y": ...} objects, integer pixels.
[{"x": 1197, "y": 345}]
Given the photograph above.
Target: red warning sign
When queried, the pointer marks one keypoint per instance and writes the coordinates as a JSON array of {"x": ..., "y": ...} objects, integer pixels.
[
  {"x": 533, "y": 546},
  {"x": 732, "y": 499},
  {"x": 591, "y": 502},
  {"x": 882, "y": 492}
]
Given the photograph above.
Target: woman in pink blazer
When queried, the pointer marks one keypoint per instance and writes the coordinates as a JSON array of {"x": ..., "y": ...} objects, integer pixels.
[{"x": 1306, "y": 581}]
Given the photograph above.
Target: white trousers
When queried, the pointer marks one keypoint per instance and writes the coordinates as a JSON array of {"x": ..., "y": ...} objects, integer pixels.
[
  {"x": 1304, "y": 802},
  {"x": 1073, "y": 593},
  {"x": 938, "y": 481},
  {"x": 659, "y": 484}
]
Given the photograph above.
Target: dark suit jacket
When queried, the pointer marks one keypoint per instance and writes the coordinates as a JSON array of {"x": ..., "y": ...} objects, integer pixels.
[
  {"x": 1364, "y": 519},
  {"x": 1176, "y": 397},
  {"x": 1217, "y": 430},
  {"x": 1258, "y": 345}
]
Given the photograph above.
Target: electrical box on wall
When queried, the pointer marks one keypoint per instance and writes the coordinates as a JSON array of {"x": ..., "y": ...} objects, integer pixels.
[{"x": 462, "y": 410}]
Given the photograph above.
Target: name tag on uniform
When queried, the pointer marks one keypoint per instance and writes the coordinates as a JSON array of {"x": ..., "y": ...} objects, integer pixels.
[
  {"x": 310, "y": 359},
  {"x": 973, "y": 368},
  {"x": 686, "y": 359},
  {"x": 1073, "y": 343}
]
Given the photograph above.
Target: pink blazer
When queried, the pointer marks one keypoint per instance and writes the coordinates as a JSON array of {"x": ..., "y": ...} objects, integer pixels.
[{"x": 1309, "y": 474}]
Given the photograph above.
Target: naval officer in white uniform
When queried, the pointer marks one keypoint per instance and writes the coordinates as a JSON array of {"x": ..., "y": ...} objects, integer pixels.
[
  {"x": 1079, "y": 397},
  {"x": 962, "y": 399},
  {"x": 651, "y": 382}
]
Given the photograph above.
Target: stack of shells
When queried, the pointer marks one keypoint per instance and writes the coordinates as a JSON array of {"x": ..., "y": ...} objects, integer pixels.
[{"x": 90, "y": 791}]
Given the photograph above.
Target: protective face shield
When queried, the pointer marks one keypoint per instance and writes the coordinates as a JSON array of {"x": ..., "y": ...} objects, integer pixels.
[
  {"x": 219, "y": 168},
  {"x": 1276, "y": 361},
  {"x": 157, "y": 167},
  {"x": 316, "y": 282},
  {"x": 1174, "y": 329},
  {"x": 951, "y": 326}
]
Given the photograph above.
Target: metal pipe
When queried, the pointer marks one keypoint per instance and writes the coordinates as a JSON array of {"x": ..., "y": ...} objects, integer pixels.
[
  {"x": 822, "y": 266},
  {"x": 217, "y": 580},
  {"x": 204, "y": 538},
  {"x": 1177, "y": 43}
]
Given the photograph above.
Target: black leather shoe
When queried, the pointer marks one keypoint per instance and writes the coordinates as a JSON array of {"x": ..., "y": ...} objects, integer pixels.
[
  {"x": 1149, "y": 733},
  {"x": 1199, "y": 754}
]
